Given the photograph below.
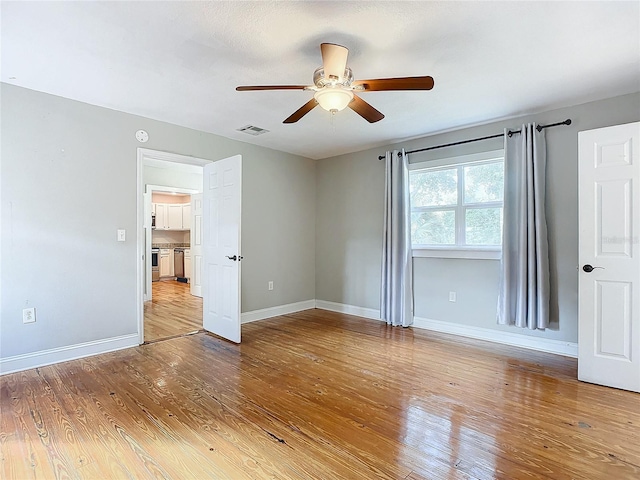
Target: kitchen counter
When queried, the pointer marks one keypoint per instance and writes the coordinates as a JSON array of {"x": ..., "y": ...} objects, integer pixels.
[{"x": 170, "y": 245}]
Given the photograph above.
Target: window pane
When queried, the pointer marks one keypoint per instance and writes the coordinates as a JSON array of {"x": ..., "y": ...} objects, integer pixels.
[
  {"x": 483, "y": 226},
  {"x": 484, "y": 183},
  {"x": 431, "y": 189},
  {"x": 433, "y": 228}
]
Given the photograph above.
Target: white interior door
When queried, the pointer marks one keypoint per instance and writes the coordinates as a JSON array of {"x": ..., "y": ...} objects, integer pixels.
[
  {"x": 609, "y": 271},
  {"x": 221, "y": 247},
  {"x": 196, "y": 245}
]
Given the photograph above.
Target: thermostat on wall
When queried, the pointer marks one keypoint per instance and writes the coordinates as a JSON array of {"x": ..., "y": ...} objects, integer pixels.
[{"x": 142, "y": 136}]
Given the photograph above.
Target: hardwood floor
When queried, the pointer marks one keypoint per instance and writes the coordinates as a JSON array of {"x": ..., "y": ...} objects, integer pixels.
[
  {"x": 317, "y": 395},
  {"x": 173, "y": 311}
]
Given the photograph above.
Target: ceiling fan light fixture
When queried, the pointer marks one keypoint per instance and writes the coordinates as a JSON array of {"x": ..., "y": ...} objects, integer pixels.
[{"x": 334, "y": 99}]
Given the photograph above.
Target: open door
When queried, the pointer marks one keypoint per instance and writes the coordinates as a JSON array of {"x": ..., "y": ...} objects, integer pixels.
[
  {"x": 609, "y": 255},
  {"x": 221, "y": 202},
  {"x": 195, "y": 281}
]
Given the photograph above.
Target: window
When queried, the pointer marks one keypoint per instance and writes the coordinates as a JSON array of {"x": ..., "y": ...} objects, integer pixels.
[{"x": 456, "y": 206}]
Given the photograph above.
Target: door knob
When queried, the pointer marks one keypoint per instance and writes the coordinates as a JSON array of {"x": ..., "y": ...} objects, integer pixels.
[
  {"x": 232, "y": 258},
  {"x": 588, "y": 268}
]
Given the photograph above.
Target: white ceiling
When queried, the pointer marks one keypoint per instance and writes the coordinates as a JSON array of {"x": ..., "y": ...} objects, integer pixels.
[{"x": 180, "y": 61}]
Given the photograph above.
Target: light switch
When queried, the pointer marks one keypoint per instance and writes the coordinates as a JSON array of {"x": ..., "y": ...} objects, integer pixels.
[{"x": 121, "y": 235}]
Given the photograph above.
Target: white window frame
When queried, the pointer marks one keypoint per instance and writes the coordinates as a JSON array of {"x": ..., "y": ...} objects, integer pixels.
[{"x": 458, "y": 251}]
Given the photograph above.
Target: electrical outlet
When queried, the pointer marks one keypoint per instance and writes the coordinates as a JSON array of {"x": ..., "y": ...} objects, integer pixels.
[
  {"x": 452, "y": 296},
  {"x": 29, "y": 315},
  {"x": 271, "y": 285}
]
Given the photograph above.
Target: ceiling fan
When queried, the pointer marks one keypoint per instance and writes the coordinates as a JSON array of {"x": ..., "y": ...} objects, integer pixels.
[{"x": 335, "y": 89}]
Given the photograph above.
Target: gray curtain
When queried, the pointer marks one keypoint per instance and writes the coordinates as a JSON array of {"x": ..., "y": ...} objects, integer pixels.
[
  {"x": 523, "y": 298},
  {"x": 396, "y": 304}
]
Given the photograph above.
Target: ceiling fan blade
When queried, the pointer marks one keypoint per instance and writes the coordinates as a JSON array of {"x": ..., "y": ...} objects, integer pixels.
[
  {"x": 365, "y": 110},
  {"x": 403, "y": 83},
  {"x": 246, "y": 88},
  {"x": 302, "y": 111},
  {"x": 334, "y": 60}
]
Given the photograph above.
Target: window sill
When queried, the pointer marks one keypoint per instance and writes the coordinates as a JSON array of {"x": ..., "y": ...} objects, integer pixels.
[{"x": 471, "y": 253}]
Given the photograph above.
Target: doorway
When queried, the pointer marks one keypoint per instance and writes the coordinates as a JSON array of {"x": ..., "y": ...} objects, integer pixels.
[
  {"x": 166, "y": 306},
  {"x": 171, "y": 308}
]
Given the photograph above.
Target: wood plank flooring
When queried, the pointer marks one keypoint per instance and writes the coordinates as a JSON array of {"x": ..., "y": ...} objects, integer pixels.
[
  {"x": 317, "y": 395},
  {"x": 173, "y": 311}
]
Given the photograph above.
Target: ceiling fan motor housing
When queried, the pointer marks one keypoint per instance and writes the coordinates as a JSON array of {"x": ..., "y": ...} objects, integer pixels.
[{"x": 320, "y": 81}]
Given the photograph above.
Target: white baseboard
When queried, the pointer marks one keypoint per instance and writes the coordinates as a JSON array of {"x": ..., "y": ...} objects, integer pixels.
[
  {"x": 62, "y": 354},
  {"x": 349, "y": 309},
  {"x": 568, "y": 349},
  {"x": 55, "y": 355},
  {"x": 256, "y": 315}
]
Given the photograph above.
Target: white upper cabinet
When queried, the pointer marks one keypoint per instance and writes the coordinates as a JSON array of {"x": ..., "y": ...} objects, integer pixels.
[
  {"x": 186, "y": 216},
  {"x": 161, "y": 216},
  {"x": 172, "y": 216}
]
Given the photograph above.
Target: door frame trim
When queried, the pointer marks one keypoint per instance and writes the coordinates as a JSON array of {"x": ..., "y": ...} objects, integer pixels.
[{"x": 142, "y": 155}]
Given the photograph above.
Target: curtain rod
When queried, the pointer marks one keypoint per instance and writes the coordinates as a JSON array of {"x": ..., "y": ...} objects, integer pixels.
[{"x": 509, "y": 133}]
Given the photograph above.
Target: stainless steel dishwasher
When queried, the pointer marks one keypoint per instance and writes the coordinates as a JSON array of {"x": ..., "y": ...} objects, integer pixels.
[{"x": 178, "y": 264}]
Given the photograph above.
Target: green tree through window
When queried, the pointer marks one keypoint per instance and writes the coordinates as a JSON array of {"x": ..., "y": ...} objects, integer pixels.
[{"x": 459, "y": 206}]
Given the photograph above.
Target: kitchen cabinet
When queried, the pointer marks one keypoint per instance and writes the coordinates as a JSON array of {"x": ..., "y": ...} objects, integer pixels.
[
  {"x": 166, "y": 262},
  {"x": 187, "y": 263},
  {"x": 186, "y": 216},
  {"x": 161, "y": 216},
  {"x": 172, "y": 216}
]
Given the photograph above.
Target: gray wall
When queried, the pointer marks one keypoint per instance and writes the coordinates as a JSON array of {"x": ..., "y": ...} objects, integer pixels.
[
  {"x": 68, "y": 182},
  {"x": 278, "y": 230},
  {"x": 349, "y": 225},
  {"x": 350, "y": 197}
]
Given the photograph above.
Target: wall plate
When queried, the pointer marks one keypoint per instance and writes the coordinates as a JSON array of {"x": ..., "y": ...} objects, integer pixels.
[{"x": 142, "y": 136}]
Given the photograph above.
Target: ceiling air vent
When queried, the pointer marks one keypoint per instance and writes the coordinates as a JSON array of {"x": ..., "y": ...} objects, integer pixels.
[{"x": 251, "y": 130}]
